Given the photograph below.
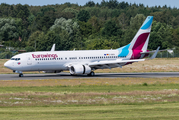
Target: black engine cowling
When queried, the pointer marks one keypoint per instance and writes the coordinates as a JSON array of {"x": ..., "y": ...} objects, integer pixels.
[{"x": 80, "y": 69}]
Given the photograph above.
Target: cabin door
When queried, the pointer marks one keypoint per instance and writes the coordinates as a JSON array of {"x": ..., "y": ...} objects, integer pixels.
[{"x": 29, "y": 60}]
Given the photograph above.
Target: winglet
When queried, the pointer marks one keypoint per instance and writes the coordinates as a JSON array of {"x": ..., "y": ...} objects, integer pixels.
[
  {"x": 53, "y": 48},
  {"x": 155, "y": 54}
]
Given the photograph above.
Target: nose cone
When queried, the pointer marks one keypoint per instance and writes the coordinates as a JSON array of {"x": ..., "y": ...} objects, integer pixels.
[{"x": 8, "y": 64}]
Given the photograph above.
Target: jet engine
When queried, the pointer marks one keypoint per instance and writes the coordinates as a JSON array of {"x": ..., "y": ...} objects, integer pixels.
[{"x": 80, "y": 69}]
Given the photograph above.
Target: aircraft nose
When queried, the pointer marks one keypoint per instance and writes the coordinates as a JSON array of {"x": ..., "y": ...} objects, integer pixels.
[{"x": 7, "y": 64}]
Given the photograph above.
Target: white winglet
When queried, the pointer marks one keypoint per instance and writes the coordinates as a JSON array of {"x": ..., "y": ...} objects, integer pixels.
[{"x": 53, "y": 48}]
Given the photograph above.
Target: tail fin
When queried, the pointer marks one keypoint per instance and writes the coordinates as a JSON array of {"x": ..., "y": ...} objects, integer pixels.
[
  {"x": 139, "y": 43},
  {"x": 141, "y": 39}
]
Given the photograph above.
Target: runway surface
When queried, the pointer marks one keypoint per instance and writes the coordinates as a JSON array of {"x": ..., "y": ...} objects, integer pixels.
[{"x": 97, "y": 75}]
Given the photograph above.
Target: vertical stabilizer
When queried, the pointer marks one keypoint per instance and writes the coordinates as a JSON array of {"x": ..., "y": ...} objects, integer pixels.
[
  {"x": 139, "y": 43},
  {"x": 141, "y": 39}
]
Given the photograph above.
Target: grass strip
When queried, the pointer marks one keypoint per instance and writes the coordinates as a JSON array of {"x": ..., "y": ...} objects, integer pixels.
[{"x": 130, "y": 112}]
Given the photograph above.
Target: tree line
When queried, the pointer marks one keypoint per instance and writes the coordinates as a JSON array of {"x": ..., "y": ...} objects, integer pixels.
[{"x": 105, "y": 25}]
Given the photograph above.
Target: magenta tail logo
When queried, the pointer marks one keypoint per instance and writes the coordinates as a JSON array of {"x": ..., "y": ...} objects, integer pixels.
[{"x": 140, "y": 41}]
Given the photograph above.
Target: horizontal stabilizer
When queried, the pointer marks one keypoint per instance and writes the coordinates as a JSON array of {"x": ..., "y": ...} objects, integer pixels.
[
  {"x": 155, "y": 54},
  {"x": 153, "y": 51}
]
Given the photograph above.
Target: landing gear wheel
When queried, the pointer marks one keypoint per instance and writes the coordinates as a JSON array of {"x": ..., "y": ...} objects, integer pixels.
[
  {"x": 20, "y": 75},
  {"x": 91, "y": 73},
  {"x": 73, "y": 75}
]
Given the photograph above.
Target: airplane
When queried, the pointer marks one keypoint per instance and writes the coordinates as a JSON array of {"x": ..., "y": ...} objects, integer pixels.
[{"x": 85, "y": 61}]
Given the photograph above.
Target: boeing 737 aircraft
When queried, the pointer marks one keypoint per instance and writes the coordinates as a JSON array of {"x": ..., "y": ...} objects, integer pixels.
[{"x": 85, "y": 61}]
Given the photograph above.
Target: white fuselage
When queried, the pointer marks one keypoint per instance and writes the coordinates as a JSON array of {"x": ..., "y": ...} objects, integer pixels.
[{"x": 59, "y": 60}]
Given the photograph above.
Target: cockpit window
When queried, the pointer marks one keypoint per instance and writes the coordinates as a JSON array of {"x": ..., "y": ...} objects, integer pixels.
[{"x": 16, "y": 59}]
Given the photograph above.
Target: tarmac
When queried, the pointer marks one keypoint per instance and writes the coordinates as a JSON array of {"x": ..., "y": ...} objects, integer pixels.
[{"x": 97, "y": 75}]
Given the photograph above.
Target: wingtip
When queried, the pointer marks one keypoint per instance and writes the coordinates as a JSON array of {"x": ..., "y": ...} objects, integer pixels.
[{"x": 53, "y": 47}]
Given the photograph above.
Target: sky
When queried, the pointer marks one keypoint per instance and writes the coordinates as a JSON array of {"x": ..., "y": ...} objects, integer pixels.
[{"x": 150, "y": 3}]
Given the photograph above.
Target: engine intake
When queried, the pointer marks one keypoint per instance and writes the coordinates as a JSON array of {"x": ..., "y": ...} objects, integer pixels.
[{"x": 80, "y": 69}]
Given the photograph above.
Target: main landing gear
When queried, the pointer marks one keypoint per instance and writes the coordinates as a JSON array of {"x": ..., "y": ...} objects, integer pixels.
[
  {"x": 20, "y": 75},
  {"x": 91, "y": 73}
]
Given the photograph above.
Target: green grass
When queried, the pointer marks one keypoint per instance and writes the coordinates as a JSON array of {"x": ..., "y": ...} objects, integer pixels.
[
  {"x": 106, "y": 99},
  {"x": 91, "y": 88},
  {"x": 149, "y": 112}
]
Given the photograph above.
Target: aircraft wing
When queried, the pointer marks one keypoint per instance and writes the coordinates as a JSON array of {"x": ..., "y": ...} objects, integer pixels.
[{"x": 111, "y": 64}]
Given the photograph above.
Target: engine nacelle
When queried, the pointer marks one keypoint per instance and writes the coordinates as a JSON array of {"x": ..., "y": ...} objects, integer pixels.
[
  {"x": 80, "y": 69},
  {"x": 52, "y": 71}
]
